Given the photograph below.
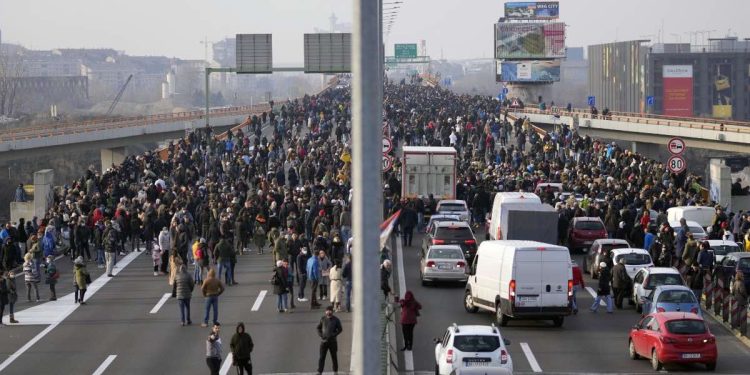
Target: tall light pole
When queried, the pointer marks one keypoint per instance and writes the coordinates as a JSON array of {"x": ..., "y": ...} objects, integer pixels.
[{"x": 367, "y": 104}]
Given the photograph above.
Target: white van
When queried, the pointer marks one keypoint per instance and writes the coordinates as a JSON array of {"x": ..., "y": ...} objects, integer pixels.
[
  {"x": 703, "y": 215},
  {"x": 494, "y": 230},
  {"x": 520, "y": 280}
]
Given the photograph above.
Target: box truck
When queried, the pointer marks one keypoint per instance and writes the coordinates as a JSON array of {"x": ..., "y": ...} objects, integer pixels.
[{"x": 429, "y": 170}]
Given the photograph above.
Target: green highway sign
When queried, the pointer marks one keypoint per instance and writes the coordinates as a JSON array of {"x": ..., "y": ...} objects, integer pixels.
[{"x": 406, "y": 50}]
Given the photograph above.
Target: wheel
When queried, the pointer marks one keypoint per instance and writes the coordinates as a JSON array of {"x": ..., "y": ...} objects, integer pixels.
[
  {"x": 711, "y": 366},
  {"x": 593, "y": 272},
  {"x": 631, "y": 350},
  {"x": 486, "y": 236},
  {"x": 558, "y": 321},
  {"x": 655, "y": 364},
  {"x": 501, "y": 318},
  {"x": 469, "y": 302},
  {"x": 585, "y": 266},
  {"x": 437, "y": 369},
  {"x": 638, "y": 307}
]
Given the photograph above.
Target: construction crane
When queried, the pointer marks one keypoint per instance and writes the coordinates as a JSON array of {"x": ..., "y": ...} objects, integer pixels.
[{"x": 119, "y": 95}]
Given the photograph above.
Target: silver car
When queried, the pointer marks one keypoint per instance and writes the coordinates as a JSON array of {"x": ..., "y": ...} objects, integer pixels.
[{"x": 443, "y": 263}]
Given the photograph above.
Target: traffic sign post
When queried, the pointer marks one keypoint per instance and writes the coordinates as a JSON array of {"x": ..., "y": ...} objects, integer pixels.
[
  {"x": 387, "y": 162},
  {"x": 387, "y": 145},
  {"x": 592, "y": 101},
  {"x": 650, "y": 100},
  {"x": 676, "y": 146},
  {"x": 676, "y": 164}
]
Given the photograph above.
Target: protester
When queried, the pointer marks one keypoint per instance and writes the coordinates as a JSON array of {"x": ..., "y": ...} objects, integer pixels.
[
  {"x": 212, "y": 288},
  {"x": 409, "y": 313},
  {"x": 329, "y": 328},
  {"x": 51, "y": 277},
  {"x": 8, "y": 296},
  {"x": 213, "y": 349},
  {"x": 241, "y": 346},
  {"x": 184, "y": 290},
  {"x": 81, "y": 280}
]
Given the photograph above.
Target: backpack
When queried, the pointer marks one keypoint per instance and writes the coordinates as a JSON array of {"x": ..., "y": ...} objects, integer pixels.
[{"x": 275, "y": 280}]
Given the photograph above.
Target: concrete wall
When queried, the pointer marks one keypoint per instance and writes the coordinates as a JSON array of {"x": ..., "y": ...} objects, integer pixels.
[{"x": 43, "y": 197}]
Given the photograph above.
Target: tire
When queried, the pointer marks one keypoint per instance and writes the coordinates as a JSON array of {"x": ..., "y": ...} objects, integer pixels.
[
  {"x": 655, "y": 364},
  {"x": 631, "y": 350},
  {"x": 638, "y": 308},
  {"x": 501, "y": 318},
  {"x": 558, "y": 321},
  {"x": 585, "y": 266},
  {"x": 437, "y": 369},
  {"x": 486, "y": 236},
  {"x": 593, "y": 273},
  {"x": 711, "y": 366},
  {"x": 469, "y": 303}
]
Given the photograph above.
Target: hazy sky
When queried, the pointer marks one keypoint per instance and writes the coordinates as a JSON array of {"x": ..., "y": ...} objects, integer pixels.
[{"x": 455, "y": 28}]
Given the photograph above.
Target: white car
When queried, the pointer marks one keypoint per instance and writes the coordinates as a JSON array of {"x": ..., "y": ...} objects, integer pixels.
[
  {"x": 698, "y": 232},
  {"x": 647, "y": 279},
  {"x": 471, "y": 346},
  {"x": 440, "y": 218},
  {"x": 453, "y": 207},
  {"x": 722, "y": 248},
  {"x": 635, "y": 259},
  {"x": 443, "y": 263}
]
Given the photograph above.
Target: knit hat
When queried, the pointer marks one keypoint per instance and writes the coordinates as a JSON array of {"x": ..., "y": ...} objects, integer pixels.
[{"x": 79, "y": 260}]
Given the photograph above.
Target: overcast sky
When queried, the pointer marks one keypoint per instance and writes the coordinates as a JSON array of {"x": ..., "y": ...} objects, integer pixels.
[{"x": 455, "y": 29}]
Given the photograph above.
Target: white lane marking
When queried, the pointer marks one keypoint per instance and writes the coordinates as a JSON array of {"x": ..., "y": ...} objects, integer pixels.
[
  {"x": 593, "y": 294},
  {"x": 259, "y": 300},
  {"x": 61, "y": 309},
  {"x": 161, "y": 303},
  {"x": 227, "y": 364},
  {"x": 530, "y": 357},
  {"x": 408, "y": 355},
  {"x": 104, "y": 365}
]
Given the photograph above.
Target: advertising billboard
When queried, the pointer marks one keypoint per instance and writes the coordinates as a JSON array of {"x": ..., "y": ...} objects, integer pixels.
[
  {"x": 529, "y": 40},
  {"x": 720, "y": 75},
  {"x": 678, "y": 90},
  {"x": 530, "y": 71},
  {"x": 543, "y": 10}
]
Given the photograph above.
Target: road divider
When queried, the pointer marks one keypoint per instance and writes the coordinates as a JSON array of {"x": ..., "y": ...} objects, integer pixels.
[
  {"x": 530, "y": 357},
  {"x": 161, "y": 303},
  {"x": 259, "y": 300},
  {"x": 105, "y": 364}
]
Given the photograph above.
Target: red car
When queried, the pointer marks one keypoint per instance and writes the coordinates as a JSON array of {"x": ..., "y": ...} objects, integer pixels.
[
  {"x": 584, "y": 231},
  {"x": 673, "y": 337}
]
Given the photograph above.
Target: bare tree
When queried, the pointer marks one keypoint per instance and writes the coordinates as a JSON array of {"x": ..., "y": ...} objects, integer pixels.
[{"x": 11, "y": 68}]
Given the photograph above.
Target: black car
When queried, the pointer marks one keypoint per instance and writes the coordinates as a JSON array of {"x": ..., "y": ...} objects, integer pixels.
[
  {"x": 725, "y": 271},
  {"x": 451, "y": 233}
]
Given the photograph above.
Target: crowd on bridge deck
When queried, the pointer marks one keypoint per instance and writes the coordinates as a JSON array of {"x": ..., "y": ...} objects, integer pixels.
[{"x": 214, "y": 202}]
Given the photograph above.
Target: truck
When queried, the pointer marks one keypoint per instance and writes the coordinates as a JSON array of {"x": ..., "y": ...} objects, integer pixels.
[
  {"x": 429, "y": 170},
  {"x": 528, "y": 221}
]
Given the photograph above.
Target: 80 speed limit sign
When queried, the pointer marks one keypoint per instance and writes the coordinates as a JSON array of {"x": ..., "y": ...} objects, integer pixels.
[{"x": 676, "y": 164}]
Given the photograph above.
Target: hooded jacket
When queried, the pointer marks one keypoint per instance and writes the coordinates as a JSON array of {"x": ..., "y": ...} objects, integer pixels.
[{"x": 241, "y": 344}]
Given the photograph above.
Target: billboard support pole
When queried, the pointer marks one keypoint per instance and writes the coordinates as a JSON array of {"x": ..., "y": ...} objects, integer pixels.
[{"x": 367, "y": 104}]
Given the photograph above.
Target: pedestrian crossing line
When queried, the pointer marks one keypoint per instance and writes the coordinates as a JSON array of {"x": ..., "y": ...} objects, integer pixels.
[
  {"x": 227, "y": 364},
  {"x": 104, "y": 365},
  {"x": 259, "y": 300},
  {"x": 530, "y": 357},
  {"x": 593, "y": 294},
  {"x": 161, "y": 303}
]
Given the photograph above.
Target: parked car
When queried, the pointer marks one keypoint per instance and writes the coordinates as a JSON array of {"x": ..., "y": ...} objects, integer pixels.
[
  {"x": 635, "y": 259},
  {"x": 584, "y": 231},
  {"x": 599, "y": 249},
  {"x": 452, "y": 233},
  {"x": 440, "y": 218},
  {"x": 647, "y": 279},
  {"x": 442, "y": 263},
  {"x": 721, "y": 248},
  {"x": 698, "y": 232},
  {"x": 666, "y": 298},
  {"x": 454, "y": 207},
  {"x": 673, "y": 337},
  {"x": 471, "y": 346},
  {"x": 725, "y": 271}
]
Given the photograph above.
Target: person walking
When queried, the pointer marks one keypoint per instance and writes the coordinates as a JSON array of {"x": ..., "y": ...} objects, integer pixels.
[
  {"x": 31, "y": 276},
  {"x": 241, "y": 346},
  {"x": 224, "y": 253},
  {"x": 279, "y": 282},
  {"x": 603, "y": 293},
  {"x": 80, "y": 280},
  {"x": 620, "y": 282},
  {"x": 213, "y": 349},
  {"x": 337, "y": 282},
  {"x": 8, "y": 296},
  {"x": 51, "y": 276},
  {"x": 212, "y": 288},
  {"x": 259, "y": 233},
  {"x": 409, "y": 313},
  {"x": 313, "y": 274},
  {"x": 301, "y": 260},
  {"x": 329, "y": 328},
  {"x": 184, "y": 286}
]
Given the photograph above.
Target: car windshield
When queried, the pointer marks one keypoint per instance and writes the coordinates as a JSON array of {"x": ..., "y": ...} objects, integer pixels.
[
  {"x": 686, "y": 327},
  {"x": 442, "y": 219},
  {"x": 655, "y": 280},
  {"x": 724, "y": 249},
  {"x": 676, "y": 296},
  {"x": 634, "y": 258},
  {"x": 454, "y": 233},
  {"x": 476, "y": 343},
  {"x": 697, "y": 230},
  {"x": 442, "y": 253},
  {"x": 608, "y": 247},
  {"x": 452, "y": 207},
  {"x": 589, "y": 225},
  {"x": 744, "y": 263}
]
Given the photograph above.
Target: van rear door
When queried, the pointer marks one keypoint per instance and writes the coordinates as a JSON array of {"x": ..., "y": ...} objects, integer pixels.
[
  {"x": 528, "y": 277},
  {"x": 556, "y": 271}
]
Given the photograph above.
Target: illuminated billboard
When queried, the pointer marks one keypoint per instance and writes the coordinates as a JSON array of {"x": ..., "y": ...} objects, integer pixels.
[
  {"x": 678, "y": 90},
  {"x": 530, "y": 71},
  {"x": 529, "y": 40},
  {"x": 543, "y": 10}
]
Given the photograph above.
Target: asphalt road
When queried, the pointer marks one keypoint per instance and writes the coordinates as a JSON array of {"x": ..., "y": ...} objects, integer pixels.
[{"x": 586, "y": 343}]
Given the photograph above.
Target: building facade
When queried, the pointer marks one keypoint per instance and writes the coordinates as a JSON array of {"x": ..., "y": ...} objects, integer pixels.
[{"x": 616, "y": 76}]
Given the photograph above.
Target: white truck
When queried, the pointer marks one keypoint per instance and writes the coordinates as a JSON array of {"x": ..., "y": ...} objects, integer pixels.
[{"x": 429, "y": 170}]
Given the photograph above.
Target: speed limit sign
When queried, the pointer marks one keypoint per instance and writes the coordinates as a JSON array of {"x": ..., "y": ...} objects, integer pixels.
[
  {"x": 676, "y": 164},
  {"x": 387, "y": 163}
]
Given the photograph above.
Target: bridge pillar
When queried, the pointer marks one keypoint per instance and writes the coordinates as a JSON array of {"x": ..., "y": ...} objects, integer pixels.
[
  {"x": 112, "y": 156},
  {"x": 634, "y": 146},
  {"x": 43, "y": 198},
  {"x": 720, "y": 188}
]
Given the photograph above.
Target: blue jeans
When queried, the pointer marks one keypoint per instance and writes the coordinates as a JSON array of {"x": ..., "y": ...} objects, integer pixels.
[
  {"x": 212, "y": 301},
  {"x": 99, "y": 257},
  {"x": 346, "y": 234},
  {"x": 225, "y": 268},
  {"x": 197, "y": 273},
  {"x": 348, "y": 291},
  {"x": 598, "y": 299},
  {"x": 282, "y": 301},
  {"x": 184, "y": 310}
]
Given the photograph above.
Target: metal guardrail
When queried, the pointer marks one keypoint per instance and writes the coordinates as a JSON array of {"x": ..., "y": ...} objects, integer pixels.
[{"x": 719, "y": 303}]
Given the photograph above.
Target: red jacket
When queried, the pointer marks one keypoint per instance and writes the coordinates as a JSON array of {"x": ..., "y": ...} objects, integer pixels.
[
  {"x": 578, "y": 276},
  {"x": 409, "y": 308}
]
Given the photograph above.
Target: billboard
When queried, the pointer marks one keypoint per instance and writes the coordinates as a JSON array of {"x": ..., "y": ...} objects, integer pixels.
[
  {"x": 405, "y": 50},
  {"x": 529, "y": 40},
  {"x": 720, "y": 76},
  {"x": 254, "y": 53},
  {"x": 530, "y": 71},
  {"x": 328, "y": 53},
  {"x": 678, "y": 90},
  {"x": 543, "y": 10}
]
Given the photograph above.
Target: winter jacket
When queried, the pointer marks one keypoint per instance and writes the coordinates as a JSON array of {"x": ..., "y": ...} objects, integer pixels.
[
  {"x": 165, "y": 241},
  {"x": 604, "y": 277},
  {"x": 313, "y": 269},
  {"x": 80, "y": 276},
  {"x": 329, "y": 328},
  {"x": 241, "y": 344},
  {"x": 30, "y": 274},
  {"x": 223, "y": 250},
  {"x": 279, "y": 280},
  {"x": 409, "y": 309},
  {"x": 184, "y": 285},
  {"x": 211, "y": 287}
]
